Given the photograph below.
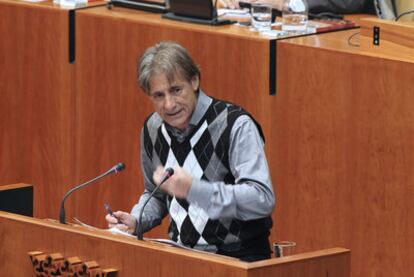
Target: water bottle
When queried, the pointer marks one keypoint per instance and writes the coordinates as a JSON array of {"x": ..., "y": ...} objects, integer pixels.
[{"x": 295, "y": 16}]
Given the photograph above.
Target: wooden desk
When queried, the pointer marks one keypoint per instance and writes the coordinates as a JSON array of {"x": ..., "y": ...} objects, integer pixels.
[
  {"x": 343, "y": 125},
  {"x": 392, "y": 39},
  {"x": 20, "y": 235}
]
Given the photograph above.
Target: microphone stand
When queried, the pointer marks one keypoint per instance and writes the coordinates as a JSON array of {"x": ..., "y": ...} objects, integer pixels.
[
  {"x": 168, "y": 173},
  {"x": 115, "y": 169}
]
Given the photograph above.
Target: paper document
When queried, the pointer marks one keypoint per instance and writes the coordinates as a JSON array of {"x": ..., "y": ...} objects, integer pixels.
[
  {"x": 116, "y": 231},
  {"x": 233, "y": 13},
  {"x": 112, "y": 230},
  {"x": 170, "y": 242},
  {"x": 71, "y": 4}
]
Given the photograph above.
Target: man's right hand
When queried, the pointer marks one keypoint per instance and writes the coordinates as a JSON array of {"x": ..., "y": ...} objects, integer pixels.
[
  {"x": 122, "y": 221},
  {"x": 229, "y": 4}
]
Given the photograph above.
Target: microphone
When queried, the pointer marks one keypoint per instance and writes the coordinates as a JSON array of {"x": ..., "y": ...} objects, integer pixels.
[
  {"x": 114, "y": 169},
  {"x": 168, "y": 173}
]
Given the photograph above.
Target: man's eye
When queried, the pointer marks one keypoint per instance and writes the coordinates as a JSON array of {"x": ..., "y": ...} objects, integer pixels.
[
  {"x": 176, "y": 90},
  {"x": 157, "y": 96}
]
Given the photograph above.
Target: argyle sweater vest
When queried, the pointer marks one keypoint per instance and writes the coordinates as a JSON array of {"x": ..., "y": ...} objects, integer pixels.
[{"x": 204, "y": 154}]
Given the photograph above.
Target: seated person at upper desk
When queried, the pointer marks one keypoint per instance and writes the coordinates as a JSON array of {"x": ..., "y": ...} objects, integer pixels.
[
  {"x": 220, "y": 196},
  {"x": 315, "y": 6}
]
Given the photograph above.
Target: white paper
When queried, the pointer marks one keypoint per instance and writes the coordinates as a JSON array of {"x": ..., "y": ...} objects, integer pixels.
[
  {"x": 231, "y": 12},
  {"x": 73, "y": 3}
]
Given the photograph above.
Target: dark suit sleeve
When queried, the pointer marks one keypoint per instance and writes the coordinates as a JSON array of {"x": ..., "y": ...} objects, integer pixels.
[{"x": 339, "y": 6}]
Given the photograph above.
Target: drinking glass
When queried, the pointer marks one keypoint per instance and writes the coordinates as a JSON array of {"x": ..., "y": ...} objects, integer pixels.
[
  {"x": 284, "y": 248},
  {"x": 295, "y": 16},
  {"x": 261, "y": 15}
]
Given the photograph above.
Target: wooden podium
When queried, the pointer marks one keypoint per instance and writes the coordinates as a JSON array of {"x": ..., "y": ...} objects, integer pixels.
[{"x": 20, "y": 235}]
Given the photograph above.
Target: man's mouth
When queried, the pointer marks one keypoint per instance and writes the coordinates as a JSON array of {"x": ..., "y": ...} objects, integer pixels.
[{"x": 174, "y": 113}]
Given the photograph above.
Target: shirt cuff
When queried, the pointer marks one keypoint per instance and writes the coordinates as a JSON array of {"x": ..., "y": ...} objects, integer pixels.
[{"x": 200, "y": 194}]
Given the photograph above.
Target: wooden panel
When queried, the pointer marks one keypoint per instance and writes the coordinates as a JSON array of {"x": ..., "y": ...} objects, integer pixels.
[
  {"x": 345, "y": 137},
  {"x": 317, "y": 263},
  {"x": 396, "y": 39},
  {"x": 111, "y": 109},
  {"x": 20, "y": 235},
  {"x": 14, "y": 186},
  {"x": 36, "y": 107}
]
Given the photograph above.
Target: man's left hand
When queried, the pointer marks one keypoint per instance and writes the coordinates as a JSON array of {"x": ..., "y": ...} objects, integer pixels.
[{"x": 177, "y": 185}]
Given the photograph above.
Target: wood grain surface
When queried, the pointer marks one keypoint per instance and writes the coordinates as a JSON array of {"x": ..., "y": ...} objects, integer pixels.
[
  {"x": 345, "y": 136},
  {"x": 20, "y": 235},
  {"x": 395, "y": 39},
  {"x": 37, "y": 102}
]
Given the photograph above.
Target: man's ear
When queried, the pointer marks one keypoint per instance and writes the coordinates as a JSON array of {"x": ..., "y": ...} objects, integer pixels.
[{"x": 195, "y": 82}]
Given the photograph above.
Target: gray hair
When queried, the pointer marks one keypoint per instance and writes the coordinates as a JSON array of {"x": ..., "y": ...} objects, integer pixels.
[{"x": 168, "y": 58}]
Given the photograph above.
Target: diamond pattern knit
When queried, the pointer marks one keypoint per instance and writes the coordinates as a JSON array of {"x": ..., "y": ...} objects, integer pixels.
[{"x": 204, "y": 154}]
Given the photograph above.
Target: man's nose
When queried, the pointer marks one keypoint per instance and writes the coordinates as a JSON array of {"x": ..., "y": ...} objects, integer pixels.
[{"x": 169, "y": 103}]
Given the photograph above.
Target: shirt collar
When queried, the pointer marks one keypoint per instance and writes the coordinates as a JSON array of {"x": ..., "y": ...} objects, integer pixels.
[{"x": 203, "y": 102}]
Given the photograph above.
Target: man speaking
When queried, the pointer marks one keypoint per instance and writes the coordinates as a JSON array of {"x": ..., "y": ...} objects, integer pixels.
[{"x": 220, "y": 196}]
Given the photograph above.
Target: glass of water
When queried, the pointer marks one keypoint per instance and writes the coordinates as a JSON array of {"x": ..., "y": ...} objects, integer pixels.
[
  {"x": 295, "y": 16},
  {"x": 284, "y": 248},
  {"x": 261, "y": 17}
]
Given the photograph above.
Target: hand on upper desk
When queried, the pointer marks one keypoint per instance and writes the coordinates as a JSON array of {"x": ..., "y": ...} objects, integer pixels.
[
  {"x": 177, "y": 185},
  {"x": 229, "y": 4},
  {"x": 122, "y": 221},
  {"x": 275, "y": 4}
]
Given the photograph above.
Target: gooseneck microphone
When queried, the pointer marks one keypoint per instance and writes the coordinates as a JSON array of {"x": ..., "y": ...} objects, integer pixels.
[
  {"x": 167, "y": 174},
  {"x": 114, "y": 169}
]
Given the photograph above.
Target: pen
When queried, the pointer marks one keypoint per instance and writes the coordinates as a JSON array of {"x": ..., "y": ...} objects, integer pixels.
[{"x": 109, "y": 210}]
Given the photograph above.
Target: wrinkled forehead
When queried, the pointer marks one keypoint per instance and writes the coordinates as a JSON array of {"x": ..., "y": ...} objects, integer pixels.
[{"x": 168, "y": 78}]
